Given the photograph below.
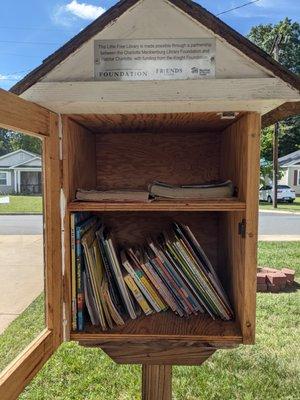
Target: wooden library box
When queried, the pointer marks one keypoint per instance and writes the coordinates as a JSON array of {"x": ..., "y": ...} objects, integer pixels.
[{"x": 152, "y": 90}]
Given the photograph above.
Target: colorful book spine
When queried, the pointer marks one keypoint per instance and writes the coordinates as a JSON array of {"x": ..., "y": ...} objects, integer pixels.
[
  {"x": 161, "y": 287},
  {"x": 137, "y": 294},
  {"x": 79, "y": 231}
]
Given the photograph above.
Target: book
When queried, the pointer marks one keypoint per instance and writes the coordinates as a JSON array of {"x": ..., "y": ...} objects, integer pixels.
[
  {"x": 219, "y": 190},
  {"x": 80, "y": 229},
  {"x": 142, "y": 282},
  {"x": 76, "y": 218},
  {"x": 112, "y": 195},
  {"x": 137, "y": 294},
  {"x": 171, "y": 271},
  {"x": 95, "y": 271},
  {"x": 114, "y": 265},
  {"x": 89, "y": 300}
]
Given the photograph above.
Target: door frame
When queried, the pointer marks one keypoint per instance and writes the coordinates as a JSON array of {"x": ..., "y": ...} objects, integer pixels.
[{"x": 29, "y": 118}]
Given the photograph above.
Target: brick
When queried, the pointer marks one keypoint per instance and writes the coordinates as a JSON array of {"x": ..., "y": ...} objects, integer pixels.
[
  {"x": 289, "y": 273},
  {"x": 268, "y": 270},
  {"x": 262, "y": 287},
  {"x": 273, "y": 288},
  {"x": 277, "y": 278},
  {"x": 261, "y": 277}
]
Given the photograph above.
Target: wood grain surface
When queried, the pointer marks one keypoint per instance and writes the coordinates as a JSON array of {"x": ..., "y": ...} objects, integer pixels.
[
  {"x": 160, "y": 123},
  {"x": 156, "y": 382},
  {"x": 137, "y": 160}
]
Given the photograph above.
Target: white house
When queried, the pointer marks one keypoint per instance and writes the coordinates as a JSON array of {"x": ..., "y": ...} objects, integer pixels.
[
  {"x": 291, "y": 167},
  {"x": 21, "y": 172}
]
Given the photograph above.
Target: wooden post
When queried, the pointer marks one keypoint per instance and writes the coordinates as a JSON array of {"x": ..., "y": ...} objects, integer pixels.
[{"x": 157, "y": 382}]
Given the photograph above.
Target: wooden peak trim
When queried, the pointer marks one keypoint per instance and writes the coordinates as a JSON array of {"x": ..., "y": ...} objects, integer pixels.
[
  {"x": 192, "y": 9},
  {"x": 284, "y": 111}
]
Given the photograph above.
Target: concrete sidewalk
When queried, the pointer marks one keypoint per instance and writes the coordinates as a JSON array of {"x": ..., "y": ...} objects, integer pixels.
[{"x": 22, "y": 274}]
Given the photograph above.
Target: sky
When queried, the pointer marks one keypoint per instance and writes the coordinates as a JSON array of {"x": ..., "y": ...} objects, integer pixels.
[{"x": 31, "y": 30}]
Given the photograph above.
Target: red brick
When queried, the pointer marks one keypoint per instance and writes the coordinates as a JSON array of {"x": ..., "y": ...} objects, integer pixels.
[
  {"x": 261, "y": 277},
  {"x": 273, "y": 288},
  {"x": 277, "y": 278},
  {"x": 268, "y": 270},
  {"x": 289, "y": 273},
  {"x": 261, "y": 287}
]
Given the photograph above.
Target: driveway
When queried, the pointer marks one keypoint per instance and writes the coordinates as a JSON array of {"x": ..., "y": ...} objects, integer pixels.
[{"x": 22, "y": 274}]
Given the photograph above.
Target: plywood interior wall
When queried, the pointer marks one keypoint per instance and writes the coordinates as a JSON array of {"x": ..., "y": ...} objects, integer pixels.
[{"x": 141, "y": 158}]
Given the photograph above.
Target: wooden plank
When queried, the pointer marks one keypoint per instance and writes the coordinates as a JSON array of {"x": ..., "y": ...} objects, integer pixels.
[
  {"x": 53, "y": 254},
  {"x": 19, "y": 373},
  {"x": 22, "y": 115},
  {"x": 240, "y": 162},
  {"x": 166, "y": 326},
  {"x": 158, "y": 107},
  {"x": 169, "y": 352},
  {"x": 149, "y": 91},
  {"x": 204, "y": 205},
  {"x": 79, "y": 170},
  {"x": 280, "y": 113},
  {"x": 132, "y": 123},
  {"x": 156, "y": 382},
  {"x": 253, "y": 123}
]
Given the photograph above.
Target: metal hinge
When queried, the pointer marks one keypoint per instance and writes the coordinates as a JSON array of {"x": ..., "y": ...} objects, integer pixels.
[{"x": 242, "y": 228}]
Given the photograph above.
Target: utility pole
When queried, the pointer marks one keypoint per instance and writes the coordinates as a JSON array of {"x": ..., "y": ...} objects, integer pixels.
[{"x": 275, "y": 51}]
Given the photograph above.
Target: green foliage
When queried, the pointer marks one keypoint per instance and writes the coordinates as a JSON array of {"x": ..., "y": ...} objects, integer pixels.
[
  {"x": 11, "y": 141},
  {"x": 289, "y": 56},
  {"x": 264, "y": 37}
]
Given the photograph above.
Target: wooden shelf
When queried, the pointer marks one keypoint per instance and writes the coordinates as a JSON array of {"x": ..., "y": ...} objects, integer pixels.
[
  {"x": 203, "y": 205},
  {"x": 166, "y": 326}
]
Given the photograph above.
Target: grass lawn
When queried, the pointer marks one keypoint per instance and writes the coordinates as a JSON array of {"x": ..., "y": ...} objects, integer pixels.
[
  {"x": 294, "y": 207},
  {"x": 22, "y": 204},
  {"x": 269, "y": 370}
]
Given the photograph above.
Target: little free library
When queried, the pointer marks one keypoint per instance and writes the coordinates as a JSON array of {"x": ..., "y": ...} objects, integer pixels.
[{"x": 150, "y": 119}]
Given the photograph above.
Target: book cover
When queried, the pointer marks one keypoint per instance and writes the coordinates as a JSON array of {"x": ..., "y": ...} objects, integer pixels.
[
  {"x": 137, "y": 294},
  {"x": 80, "y": 229},
  {"x": 76, "y": 218}
]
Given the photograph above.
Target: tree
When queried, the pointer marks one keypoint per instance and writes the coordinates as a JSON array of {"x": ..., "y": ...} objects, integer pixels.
[
  {"x": 11, "y": 141},
  {"x": 5, "y": 142},
  {"x": 289, "y": 56}
]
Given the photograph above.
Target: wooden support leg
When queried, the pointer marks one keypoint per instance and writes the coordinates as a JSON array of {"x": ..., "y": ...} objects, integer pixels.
[{"x": 157, "y": 382}]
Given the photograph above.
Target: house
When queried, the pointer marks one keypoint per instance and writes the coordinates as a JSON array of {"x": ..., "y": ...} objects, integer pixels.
[
  {"x": 21, "y": 172},
  {"x": 291, "y": 167}
]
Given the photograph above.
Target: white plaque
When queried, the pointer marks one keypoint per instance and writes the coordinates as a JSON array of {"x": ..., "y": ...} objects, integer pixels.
[{"x": 154, "y": 59}]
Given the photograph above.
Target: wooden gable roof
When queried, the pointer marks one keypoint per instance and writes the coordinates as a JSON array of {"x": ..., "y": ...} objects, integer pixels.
[{"x": 192, "y": 9}]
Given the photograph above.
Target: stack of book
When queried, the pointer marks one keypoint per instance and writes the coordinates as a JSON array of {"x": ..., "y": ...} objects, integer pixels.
[
  {"x": 170, "y": 272},
  {"x": 160, "y": 191}
]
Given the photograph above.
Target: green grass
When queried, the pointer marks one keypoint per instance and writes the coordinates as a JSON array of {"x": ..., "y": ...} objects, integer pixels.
[
  {"x": 22, "y": 331},
  {"x": 22, "y": 204},
  {"x": 269, "y": 370},
  {"x": 295, "y": 207}
]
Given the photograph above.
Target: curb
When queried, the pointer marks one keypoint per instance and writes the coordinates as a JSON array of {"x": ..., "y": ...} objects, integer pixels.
[
  {"x": 279, "y": 212},
  {"x": 18, "y": 214}
]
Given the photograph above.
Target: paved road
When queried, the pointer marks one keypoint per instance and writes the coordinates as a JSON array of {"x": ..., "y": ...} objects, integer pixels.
[
  {"x": 21, "y": 224},
  {"x": 279, "y": 224},
  {"x": 269, "y": 224}
]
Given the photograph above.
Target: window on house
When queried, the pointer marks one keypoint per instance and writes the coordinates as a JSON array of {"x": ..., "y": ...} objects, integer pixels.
[
  {"x": 298, "y": 176},
  {"x": 3, "y": 178}
]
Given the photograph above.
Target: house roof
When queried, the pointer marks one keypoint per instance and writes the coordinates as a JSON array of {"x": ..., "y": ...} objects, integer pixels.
[
  {"x": 24, "y": 163},
  {"x": 8, "y": 155},
  {"x": 290, "y": 159}
]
